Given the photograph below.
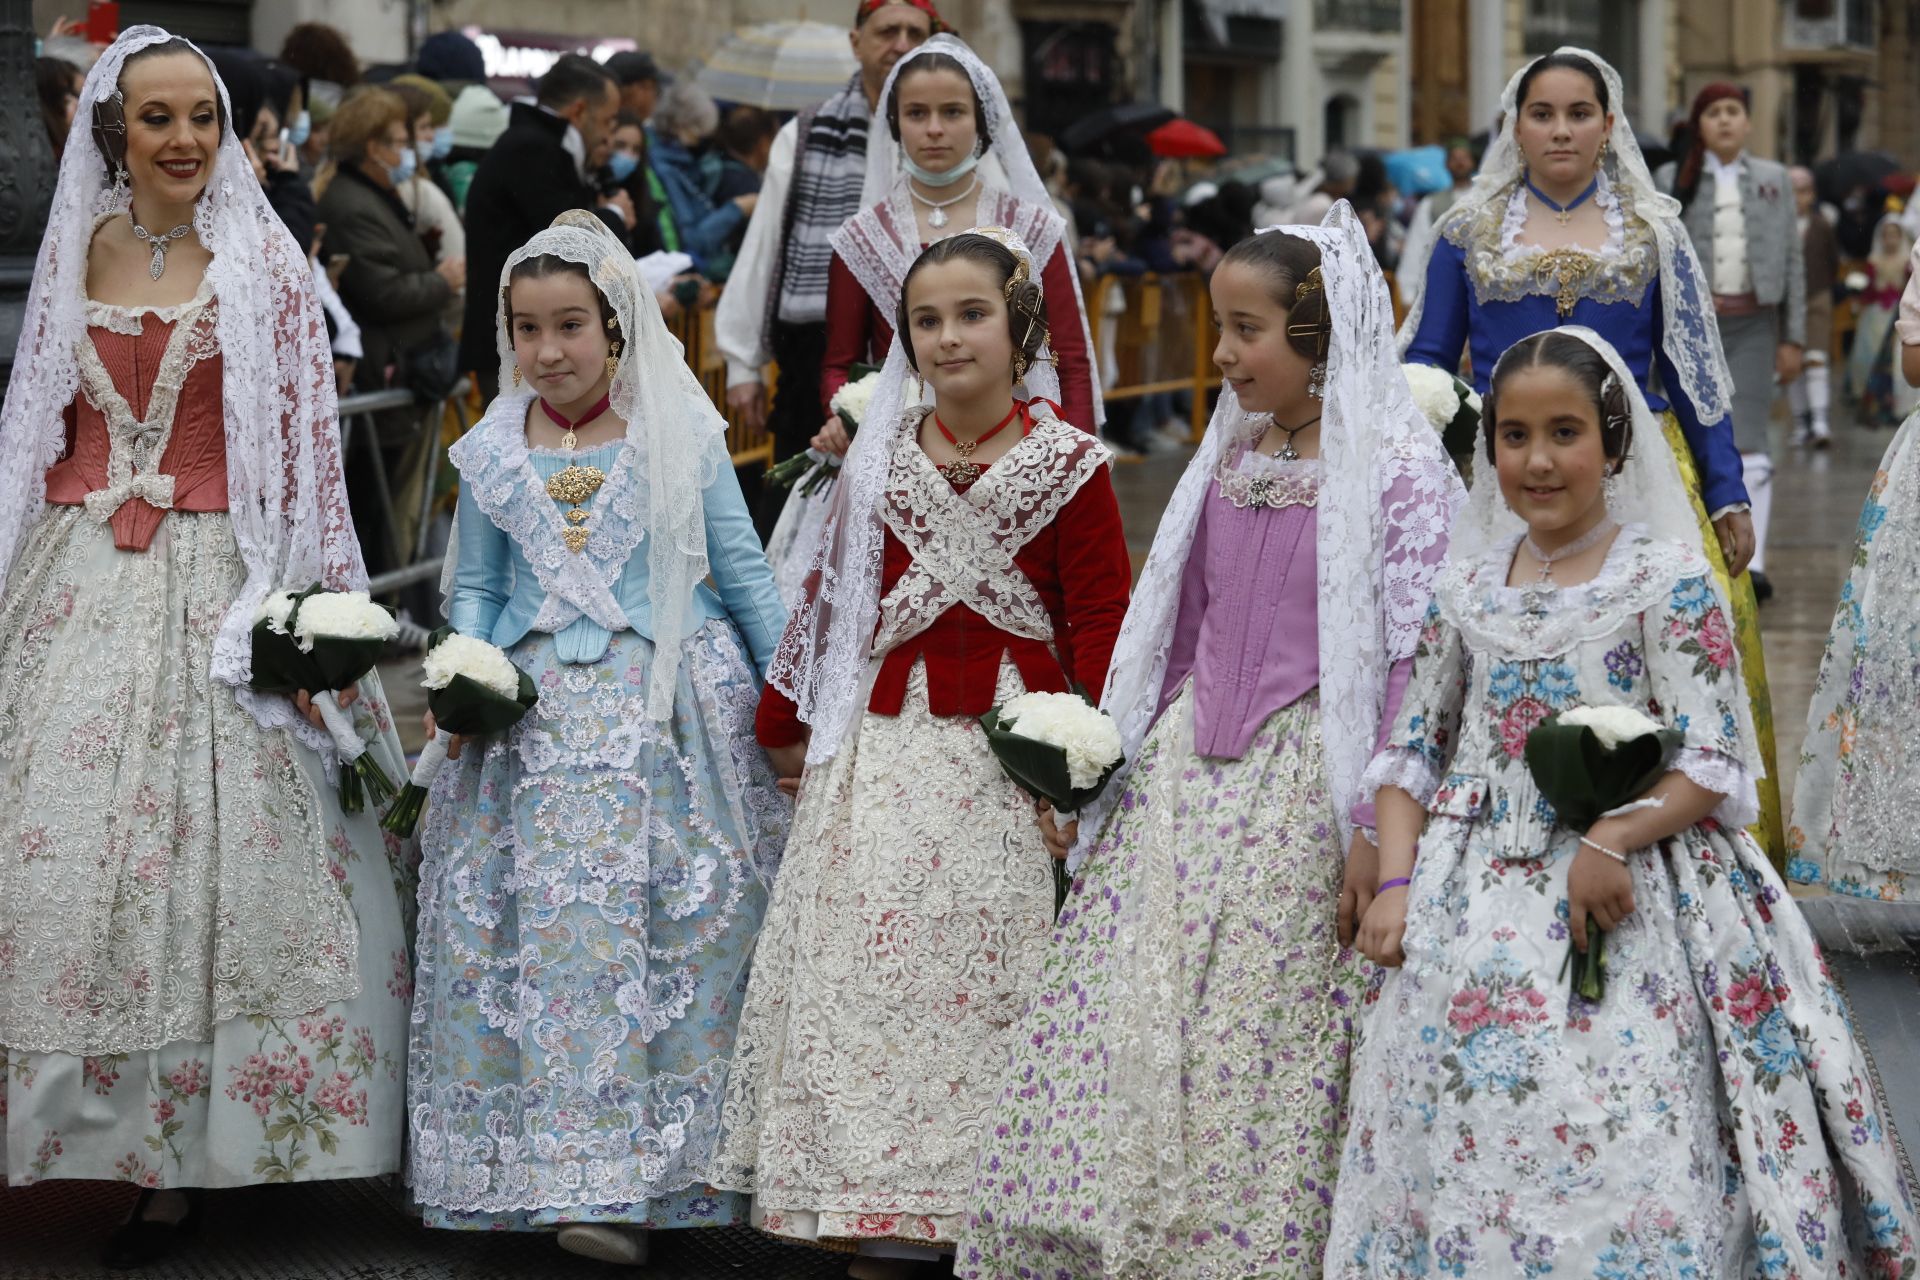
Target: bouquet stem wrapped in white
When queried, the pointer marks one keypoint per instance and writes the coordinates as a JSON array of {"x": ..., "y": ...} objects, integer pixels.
[
  {"x": 472, "y": 688},
  {"x": 1061, "y": 748},
  {"x": 322, "y": 642}
]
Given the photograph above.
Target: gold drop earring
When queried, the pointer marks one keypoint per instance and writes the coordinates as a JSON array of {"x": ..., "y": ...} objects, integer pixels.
[{"x": 516, "y": 375}]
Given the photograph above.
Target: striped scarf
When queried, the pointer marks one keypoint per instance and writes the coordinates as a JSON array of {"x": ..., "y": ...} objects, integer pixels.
[{"x": 829, "y": 167}]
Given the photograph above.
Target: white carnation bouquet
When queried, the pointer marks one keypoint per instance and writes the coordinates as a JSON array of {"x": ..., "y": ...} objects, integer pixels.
[
  {"x": 472, "y": 688},
  {"x": 320, "y": 642},
  {"x": 1058, "y": 746},
  {"x": 813, "y": 469},
  {"x": 1448, "y": 403}
]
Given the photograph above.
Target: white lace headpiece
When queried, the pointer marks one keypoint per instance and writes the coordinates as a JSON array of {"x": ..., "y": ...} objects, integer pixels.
[
  {"x": 287, "y": 501},
  {"x": 675, "y": 437},
  {"x": 822, "y": 660},
  {"x": 1371, "y": 436},
  {"x": 1647, "y": 490},
  {"x": 881, "y": 242},
  {"x": 1691, "y": 333}
]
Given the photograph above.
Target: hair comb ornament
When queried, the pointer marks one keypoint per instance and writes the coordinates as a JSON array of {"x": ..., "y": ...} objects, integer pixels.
[{"x": 1321, "y": 331}]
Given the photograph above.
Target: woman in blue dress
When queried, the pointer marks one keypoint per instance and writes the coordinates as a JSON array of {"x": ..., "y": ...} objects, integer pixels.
[
  {"x": 1564, "y": 226},
  {"x": 594, "y": 879}
]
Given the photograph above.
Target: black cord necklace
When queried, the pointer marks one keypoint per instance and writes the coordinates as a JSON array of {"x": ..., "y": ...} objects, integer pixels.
[{"x": 1287, "y": 452}]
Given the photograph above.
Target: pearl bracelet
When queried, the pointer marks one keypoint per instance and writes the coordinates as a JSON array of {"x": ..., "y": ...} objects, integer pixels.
[{"x": 1615, "y": 854}]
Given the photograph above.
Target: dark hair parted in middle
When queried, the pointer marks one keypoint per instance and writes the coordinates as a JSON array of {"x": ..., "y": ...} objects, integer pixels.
[
  {"x": 937, "y": 61},
  {"x": 1586, "y": 366},
  {"x": 1561, "y": 62},
  {"x": 543, "y": 265},
  {"x": 1026, "y": 304},
  {"x": 1288, "y": 261}
]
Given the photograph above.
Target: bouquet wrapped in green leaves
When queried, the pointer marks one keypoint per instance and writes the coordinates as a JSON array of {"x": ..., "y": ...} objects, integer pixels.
[
  {"x": 322, "y": 642},
  {"x": 473, "y": 688},
  {"x": 1588, "y": 762},
  {"x": 811, "y": 469},
  {"x": 1061, "y": 748}
]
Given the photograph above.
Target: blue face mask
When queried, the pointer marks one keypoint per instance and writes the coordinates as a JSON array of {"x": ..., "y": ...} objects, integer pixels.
[
  {"x": 946, "y": 179},
  {"x": 443, "y": 143},
  {"x": 404, "y": 170},
  {"x": 302, "y": 130},
  {"x": 621, "y": 165}
]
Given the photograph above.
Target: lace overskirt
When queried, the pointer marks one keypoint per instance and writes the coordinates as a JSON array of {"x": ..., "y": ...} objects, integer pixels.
[
  {"x": 904, "y": 939},
  {"x": 1178, "y": 1089},
  {"x": 592, "y": 885},
  {"x": 187, "y": 1046}
]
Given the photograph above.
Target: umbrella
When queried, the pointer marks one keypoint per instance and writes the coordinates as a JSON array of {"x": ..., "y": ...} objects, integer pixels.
[
  {"x": 779, "y": 66},
  {"x": 1836, "y": 178},
  {"x": 1128, "y": 117},
  {"x": 1418, "y": 170},
  {"x": 1182, "y": 139}
]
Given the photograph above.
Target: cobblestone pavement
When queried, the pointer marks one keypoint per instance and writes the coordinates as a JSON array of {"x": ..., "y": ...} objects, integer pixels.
[{"x": 362, "y": 1231}]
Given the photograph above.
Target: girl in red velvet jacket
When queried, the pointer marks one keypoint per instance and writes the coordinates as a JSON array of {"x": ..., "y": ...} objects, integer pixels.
[{"x": 974, "y": 552}]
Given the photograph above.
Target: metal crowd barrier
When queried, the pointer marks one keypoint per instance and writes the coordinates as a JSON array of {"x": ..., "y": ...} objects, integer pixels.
[{"x": 359, "y": 420}]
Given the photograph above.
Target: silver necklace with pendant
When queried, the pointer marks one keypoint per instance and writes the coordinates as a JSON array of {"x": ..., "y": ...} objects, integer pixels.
[
  {"x": 1538, "y": 594},
  {"x": 937, "y": 209},
  {"x": 1287, "y": 452},
  {"x": 159, "y": 264}
]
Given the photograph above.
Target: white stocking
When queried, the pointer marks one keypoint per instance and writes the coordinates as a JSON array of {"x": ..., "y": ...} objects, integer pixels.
[
  {"x": 1757, "y": 470},
  {"x": 1812, "y": 386}
]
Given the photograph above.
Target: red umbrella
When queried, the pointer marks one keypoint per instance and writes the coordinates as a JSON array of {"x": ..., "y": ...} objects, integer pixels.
[{"x": 1182, "y": 139}]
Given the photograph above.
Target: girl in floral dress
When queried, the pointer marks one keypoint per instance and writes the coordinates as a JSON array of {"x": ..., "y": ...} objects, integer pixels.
[
  {"x": 203, "y": 966},
  {"x": 1178, "y": 1089},
  {"x": 1710, "y": 1114},
  {"x": 974, "y": 552},
  {"x": 593, "y": 880}
]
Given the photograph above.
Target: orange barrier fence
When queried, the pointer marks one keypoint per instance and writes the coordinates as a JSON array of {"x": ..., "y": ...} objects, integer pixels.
[
  {"x": 1151, "y": 335},
  {"x": 694, "y": 327}
]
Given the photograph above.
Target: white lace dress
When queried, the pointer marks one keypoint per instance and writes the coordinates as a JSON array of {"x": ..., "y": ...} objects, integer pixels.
[
  {"x": 1711, "y": 1114},
  {"x": 203, "y": 966},
  {"x": 909, "y": 920}
]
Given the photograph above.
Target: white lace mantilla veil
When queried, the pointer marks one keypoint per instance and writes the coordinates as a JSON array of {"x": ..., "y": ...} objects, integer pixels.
[
  {"x": 821, "y": 663},
  {"x": 1691, "y": 333},
  {"x": 1647, "y": 491},
  {"x": 675, "y": 446},
  {"x": 1370, "y": 609},
  {"x": 287, "y": 500},
  {"x": 879, "y": 251}
]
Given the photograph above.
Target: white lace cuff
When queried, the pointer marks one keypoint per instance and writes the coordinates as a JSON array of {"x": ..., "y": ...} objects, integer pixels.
[
  {"x": 1740, "y": 798},
  {"x": 1731, "y": 508},
  {"x": 1404, "y": 768}
]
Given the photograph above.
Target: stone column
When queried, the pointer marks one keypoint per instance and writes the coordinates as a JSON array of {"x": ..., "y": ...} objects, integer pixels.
[{"x": 26, "y": 173}]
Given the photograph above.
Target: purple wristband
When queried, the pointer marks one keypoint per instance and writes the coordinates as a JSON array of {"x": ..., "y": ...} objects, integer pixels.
[{"x": 1398, "y": 882}]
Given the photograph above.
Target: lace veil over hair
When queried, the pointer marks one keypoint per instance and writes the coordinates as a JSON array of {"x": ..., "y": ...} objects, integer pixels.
[
  {"x": 1691, "y": 333},
  {"x": 288, "y": 503},
  {"x": 881, "y": 242},
  {"x": 821, "y": 663},
  {"x": 1370, "y": 605},
  {"x": 675, "y": 445},
  {"x": 1646, "y": 491}
]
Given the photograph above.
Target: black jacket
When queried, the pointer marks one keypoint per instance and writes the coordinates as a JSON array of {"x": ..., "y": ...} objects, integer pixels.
[
  {"x": 525, "y": 181},
  {"x": 389, "y": 286}
]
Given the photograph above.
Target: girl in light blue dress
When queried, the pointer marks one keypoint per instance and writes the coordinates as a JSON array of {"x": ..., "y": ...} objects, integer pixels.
[{"x": 593, "y": 880}]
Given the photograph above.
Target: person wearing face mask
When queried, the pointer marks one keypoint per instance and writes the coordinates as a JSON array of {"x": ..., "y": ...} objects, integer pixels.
[
  {"x": 682, "y": 126},
  {"x": 653, "y": 230},
  {"x": 434, "y": 219},
  {"x": 391, "y": 286},
  {"x": 1740, "y": 212},
  {"x": 538, "y": 169},
  {"x": 774, "y": 310}
]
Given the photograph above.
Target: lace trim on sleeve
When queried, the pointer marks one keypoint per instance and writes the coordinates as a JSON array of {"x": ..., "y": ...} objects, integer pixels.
[
  {"x": 1404, "y": 768},
  {"x": 1740, "y": 806}
]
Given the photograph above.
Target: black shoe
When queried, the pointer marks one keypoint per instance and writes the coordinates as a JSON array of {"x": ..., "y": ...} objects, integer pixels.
[
  {"x": 141, "y": 1241},
  {"x": 1762, "y": 589}
]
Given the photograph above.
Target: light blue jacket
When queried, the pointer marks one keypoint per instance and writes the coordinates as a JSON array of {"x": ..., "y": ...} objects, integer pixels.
[{"x": 497, "y": 596}]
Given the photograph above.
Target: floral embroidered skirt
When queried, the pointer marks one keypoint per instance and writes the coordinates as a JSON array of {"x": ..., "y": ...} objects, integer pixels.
[
  {"x": 1710, "y": 1115},
  {"x": 904, "y": 939},
  {"x": 1856, "y": 804},
  {"x": 1770, "y": 830},
  {"x": 114, "y": 739},
  {"x": 592, "y": 885},
  {"x": 1179, "y": 1084}
]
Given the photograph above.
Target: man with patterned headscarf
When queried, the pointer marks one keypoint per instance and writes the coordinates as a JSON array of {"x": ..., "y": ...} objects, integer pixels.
[{"x": 775, "y": 305}]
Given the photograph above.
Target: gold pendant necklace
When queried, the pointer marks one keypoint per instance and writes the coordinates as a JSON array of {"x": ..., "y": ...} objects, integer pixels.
[{"x": 575, "y": 485}]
